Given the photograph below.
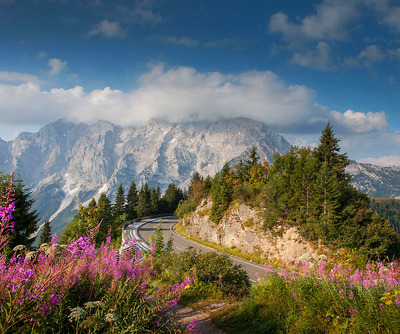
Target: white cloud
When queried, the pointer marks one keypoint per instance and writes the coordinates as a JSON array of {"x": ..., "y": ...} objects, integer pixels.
[
  {"x": 329, "y": 22},
  {"x": 371, "y": 54},
  {"x": 19, "y": 77},
  {"x": 388, "y": 160},
  {"x": 56, "y": 66},
  {"x": 320, "y": 58},
  {"x": 42, "y": 55},
  {"x": 358, "y": 122},
  {"x": 107, "y": 28},
  {"x": 183, "y": 94},
  {"x": 181, "y": 41}
]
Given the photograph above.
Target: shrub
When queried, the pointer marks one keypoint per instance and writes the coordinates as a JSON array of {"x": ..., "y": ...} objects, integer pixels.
[{"x": 216, "y": 276}]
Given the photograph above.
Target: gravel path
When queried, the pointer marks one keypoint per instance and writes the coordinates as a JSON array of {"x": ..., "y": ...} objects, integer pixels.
[{"x": 202, "y": 314}]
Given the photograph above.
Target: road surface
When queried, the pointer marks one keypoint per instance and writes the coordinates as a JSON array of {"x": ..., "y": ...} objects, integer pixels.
[{"x": 181, "y": 243}]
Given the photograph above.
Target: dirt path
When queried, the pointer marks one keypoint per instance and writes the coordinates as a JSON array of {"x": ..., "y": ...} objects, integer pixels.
[{"x": 202, "y": 315}]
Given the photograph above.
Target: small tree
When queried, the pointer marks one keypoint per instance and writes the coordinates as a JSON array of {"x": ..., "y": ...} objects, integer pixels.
[{"x": 45, "y": 237}]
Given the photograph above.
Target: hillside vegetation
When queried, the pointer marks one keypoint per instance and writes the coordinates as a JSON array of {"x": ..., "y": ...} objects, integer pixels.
[
  {"x": 388, "y": 208},
  {"x": 307, "y": 188}
]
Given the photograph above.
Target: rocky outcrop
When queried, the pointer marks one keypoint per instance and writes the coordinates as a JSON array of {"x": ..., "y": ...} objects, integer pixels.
[{"x": 241, "y": 227}]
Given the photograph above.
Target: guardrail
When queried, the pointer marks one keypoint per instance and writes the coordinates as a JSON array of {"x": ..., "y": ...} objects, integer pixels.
[
  {"x": 137, "y": 220},
  {"x": 140, "y": 243}
]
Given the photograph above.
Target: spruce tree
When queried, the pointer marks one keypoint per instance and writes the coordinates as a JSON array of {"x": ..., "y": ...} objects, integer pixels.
[
  {"x": 154, "y": 201},
  {"x": 45, "y": 237},
  {"x": 105, "y": 214},
  {"x": 222, "y": 193},
  {"x": 119, "y": 205},
  {"x": 173, "y": 195},
  {"x": 329, "y": 151},
  {"x": 143, "y": 207},
  {"x": 25, "y": 218},
  {"x": 132, "y": 202}
]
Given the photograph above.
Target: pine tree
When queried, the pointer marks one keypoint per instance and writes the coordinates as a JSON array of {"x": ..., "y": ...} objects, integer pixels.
[
  {"x": 154, "y": 201},
  {"x": 105, "y": 214},
  {"x": 25, "y": 218},
  {"x": 143, "y": 207},
  {"x": 173, "y": 195},
  {"x": 222, "y": 193},
  {"x": 45, "y": 237},
  {"x": 119, "y": 205},
  {"x": 329, "y": 151},
  {"x": 132, "y": 202},
  {"x": 327, "y": 196}
]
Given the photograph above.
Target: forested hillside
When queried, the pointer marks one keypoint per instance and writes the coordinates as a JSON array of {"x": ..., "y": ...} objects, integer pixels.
[
  {"x": 305, "y": 187},
  {"x": 388, "y": 208}
]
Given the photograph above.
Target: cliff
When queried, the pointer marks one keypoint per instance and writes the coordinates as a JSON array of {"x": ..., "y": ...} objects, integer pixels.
[{"x": 241, "y": 228}]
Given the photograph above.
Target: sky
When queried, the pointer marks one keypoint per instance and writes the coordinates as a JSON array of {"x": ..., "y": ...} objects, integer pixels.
[{"x": 294, "y": 65}]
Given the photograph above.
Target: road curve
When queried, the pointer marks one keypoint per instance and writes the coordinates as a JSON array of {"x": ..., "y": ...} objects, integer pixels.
[{"x": 180, "y": 243}]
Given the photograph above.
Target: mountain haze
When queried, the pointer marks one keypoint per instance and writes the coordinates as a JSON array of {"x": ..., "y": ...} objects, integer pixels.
[{"x": 66, "y": 164}]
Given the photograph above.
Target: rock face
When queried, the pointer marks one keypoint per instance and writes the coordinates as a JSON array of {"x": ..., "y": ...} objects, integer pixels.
[
  {"x": 241, "y": 228},
  {"x": 376, "y": 181},
  {"x": 66, "y": 164}
]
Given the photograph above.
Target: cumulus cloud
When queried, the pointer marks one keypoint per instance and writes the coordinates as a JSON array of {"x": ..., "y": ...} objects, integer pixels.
[
  {"x": 320, "y": 58},
  {"x": 56, "y": 66},
  {"x": 358, "y": 122},
  {"x": 388, "y": 160},
  {"x": 19, "y": 77},
  {"x": 371, "y": 54},
  {"x": 107, "y": 28},
  {"x": 184, "y": 94},
  {"x": 328, "y": 23}
]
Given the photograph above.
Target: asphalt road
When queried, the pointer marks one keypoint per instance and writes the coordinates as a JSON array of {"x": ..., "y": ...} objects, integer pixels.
[{"x": 181, "y": 243}]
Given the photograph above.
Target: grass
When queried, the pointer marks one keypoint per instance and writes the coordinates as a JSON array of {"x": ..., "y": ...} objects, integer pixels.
[{"x": 318, "y": 301}]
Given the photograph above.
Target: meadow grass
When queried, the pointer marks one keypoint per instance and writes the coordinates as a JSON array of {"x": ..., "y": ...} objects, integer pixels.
[{"x": 304, "y": 300}]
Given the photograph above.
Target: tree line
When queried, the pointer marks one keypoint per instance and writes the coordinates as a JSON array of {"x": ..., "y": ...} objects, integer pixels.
[{"x": 306, "y": 187}]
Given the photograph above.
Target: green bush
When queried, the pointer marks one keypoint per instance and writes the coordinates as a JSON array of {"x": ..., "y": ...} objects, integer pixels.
[{"x": 216, "y": 276}]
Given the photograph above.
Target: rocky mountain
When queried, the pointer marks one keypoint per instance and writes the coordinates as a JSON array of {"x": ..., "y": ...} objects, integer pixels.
[
  {"x": 66, "y": 164},
  {"x": 376, "y": 181}
]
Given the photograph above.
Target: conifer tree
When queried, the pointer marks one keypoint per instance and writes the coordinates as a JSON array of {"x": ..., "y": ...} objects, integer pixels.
[
  {"x": 143, "y": 207},
  {"x": 45, "y": 237},
  {"x": 173, "y": 195},
  {"x": 154, "y": 201},
  {"x": 132, "y": 201},
  {"x": 119, "y": 205},
  {"x": 105, "y": 214},
  {"x": 25, "y": 218},
  {"x": 222, "y": 193},
  {"x": 329, "y": 151},
  {"x": 195, "y": 190}
]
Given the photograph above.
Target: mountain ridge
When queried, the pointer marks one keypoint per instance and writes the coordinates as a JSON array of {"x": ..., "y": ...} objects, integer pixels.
[{"x": 71, "y": 163}]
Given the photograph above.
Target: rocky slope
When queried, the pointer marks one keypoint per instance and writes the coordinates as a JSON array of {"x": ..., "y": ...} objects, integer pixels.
[
  {"x": 66, "y": 164},
  {"x": 376, "y": 181},
  {"x": 240, "y": 228}
]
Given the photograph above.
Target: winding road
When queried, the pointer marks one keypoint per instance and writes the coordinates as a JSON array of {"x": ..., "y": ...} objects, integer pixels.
[{"x": 145, "y": 228}]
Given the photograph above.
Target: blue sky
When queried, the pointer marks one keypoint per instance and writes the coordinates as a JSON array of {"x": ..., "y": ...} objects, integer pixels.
[{"x": 292, "y": 64}]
